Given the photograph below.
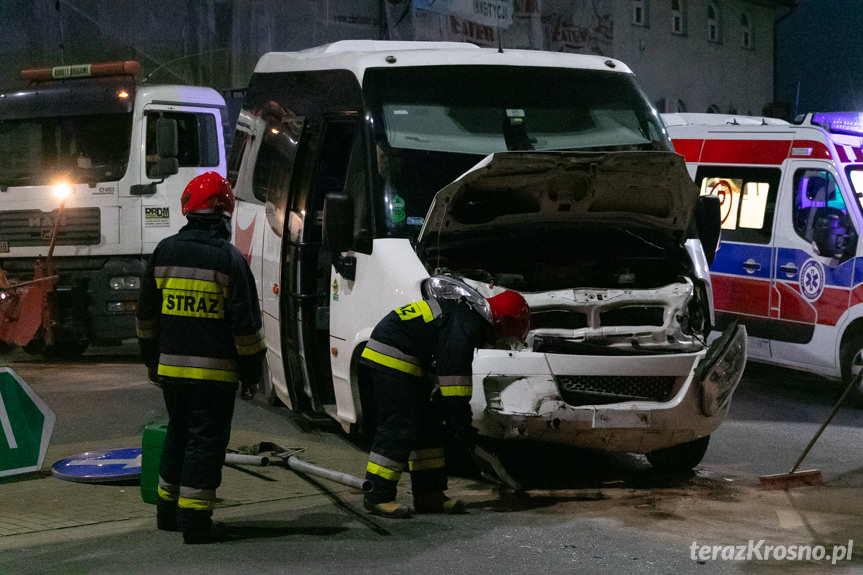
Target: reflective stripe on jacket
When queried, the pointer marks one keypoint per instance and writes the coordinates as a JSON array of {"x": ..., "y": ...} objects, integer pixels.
[{"x": 198, "y": 313}]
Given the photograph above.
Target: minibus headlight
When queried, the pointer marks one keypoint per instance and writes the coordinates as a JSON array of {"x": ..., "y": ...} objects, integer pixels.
[
  {"x": 450, "y": 287},
  {"x": 722, "y": 369}
]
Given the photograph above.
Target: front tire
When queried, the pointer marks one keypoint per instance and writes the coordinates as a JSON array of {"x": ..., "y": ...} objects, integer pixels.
[
  {"x": 680, "y": 458},
  {"x": 851, "y": 358}
]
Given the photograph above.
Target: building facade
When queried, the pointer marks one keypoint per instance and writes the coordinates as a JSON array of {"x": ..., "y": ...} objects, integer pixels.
[{"x": 690, "y": 55}]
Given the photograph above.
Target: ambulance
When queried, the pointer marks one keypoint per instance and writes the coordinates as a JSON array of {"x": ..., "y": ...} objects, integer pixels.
[
  {"x": 788, "y": 262},
  {"x": 370, "y": 175},
  {"x": 92, "y": 164}
]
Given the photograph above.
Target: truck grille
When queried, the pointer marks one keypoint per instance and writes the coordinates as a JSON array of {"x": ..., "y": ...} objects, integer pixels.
[
  {"x": 78, "y": 226},
  {"x": 604, "y": 389}
]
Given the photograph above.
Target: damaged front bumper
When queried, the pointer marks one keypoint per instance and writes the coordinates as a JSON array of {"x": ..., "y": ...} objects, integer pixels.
[{"x": 623, "y": 403}]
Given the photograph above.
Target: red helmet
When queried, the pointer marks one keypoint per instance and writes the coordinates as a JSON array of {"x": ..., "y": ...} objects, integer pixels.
[
  {"x": 510, "y": 315},
  {"x": 206, "y": 194}
]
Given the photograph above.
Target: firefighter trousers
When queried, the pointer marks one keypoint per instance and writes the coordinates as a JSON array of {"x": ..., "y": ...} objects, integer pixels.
[
  {"x": 199, "y": 427},
  {"x": 410, "y": 434}
]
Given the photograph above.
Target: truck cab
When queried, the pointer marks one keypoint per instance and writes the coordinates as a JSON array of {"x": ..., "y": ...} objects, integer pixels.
[{"x": 124, "y": 150}]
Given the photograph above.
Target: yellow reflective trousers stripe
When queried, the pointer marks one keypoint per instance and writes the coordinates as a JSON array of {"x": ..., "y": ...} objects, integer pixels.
[
  {"x": 198, "y": 373},
  {"x": 456, "y": 391},
  {"x": 392, "y": 362},
  {"x": 381, "y": 471},
  {"x": 197, "y": 504}
]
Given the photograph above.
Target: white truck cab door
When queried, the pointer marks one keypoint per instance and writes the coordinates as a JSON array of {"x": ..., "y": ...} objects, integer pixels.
[{"x": 199, "y": 142}]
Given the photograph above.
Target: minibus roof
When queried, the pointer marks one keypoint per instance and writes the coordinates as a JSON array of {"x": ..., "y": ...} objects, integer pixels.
[{"x": 360, "y": 55}]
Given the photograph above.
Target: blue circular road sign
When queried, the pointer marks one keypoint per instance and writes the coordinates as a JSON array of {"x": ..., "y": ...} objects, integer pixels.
[{"x": 100, "y": 466}]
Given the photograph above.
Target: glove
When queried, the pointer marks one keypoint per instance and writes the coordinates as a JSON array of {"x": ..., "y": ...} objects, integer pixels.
[
  {"x": 248, "y": 390},
  {"x": 153, "y": 375}
]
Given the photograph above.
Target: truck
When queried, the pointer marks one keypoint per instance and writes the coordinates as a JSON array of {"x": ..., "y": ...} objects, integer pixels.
[
  {"x": 92, "y": 164},
  {"x": 370, "y": 175},
  {"x": 791, "y": 197}
]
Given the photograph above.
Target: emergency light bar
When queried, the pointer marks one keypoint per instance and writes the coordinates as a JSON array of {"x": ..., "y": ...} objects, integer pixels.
[
  {"x": 850, "y": 123},
  {"x": 118, "y": 68}
]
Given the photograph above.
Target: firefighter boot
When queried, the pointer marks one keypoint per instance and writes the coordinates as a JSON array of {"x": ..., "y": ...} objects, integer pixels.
[
  {"x": 166, "y": 515},
  {"x": 388, "y": 509},
  {"x": 438, "y": 502},
  {"x": 198, "y": 527}
]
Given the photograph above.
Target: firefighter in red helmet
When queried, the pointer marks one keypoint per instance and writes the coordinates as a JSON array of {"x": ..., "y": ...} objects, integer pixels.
[
  {"x": 415, "y": 417},
  {"x": 199, "y": 330}
]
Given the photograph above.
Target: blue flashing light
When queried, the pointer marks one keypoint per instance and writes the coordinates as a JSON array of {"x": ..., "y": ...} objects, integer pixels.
[{"x": 850, "y": 123}]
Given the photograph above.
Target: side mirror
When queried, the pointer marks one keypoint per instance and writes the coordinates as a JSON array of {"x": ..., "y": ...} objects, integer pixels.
[
  {"x": 339, "y": 231},
  {"x": 833, "y": 237},
  {"x": 708, "y": 221},
  {"x": 166, "y": 148}
]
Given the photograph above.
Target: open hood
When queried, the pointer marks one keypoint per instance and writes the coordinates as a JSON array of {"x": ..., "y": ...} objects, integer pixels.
[{"x": 637, "y": 190}]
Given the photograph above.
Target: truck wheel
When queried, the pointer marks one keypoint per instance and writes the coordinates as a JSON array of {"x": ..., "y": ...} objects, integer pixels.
[
  {"x": 680, "y": 458},
  {"x": 851, "y": 357}
]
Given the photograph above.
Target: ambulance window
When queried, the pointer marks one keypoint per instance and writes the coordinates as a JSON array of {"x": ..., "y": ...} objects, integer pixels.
[
  {"x": 855, "y": 174},
  {"x": 747, "y": 200},
  {"x": 816, "y": 197}
]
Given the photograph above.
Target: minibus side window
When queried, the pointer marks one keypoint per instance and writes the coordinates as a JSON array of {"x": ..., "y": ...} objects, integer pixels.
[{"x": 747, "y": 200}]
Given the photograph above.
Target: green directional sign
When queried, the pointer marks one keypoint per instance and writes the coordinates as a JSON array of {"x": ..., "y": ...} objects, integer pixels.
[{"x": 26, "y": 424}]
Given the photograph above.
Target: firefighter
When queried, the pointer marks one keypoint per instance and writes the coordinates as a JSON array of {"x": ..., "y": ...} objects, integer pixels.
[
  {"x": 199, "y": 329},
  {"x": 414, "y": 419}
]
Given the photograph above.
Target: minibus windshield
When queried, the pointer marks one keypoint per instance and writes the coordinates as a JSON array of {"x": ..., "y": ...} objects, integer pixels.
[{"x": 432, "y": 123}]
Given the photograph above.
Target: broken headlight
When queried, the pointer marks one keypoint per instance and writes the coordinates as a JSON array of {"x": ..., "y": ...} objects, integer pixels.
[
  {"x": 450, "y": 287},
  {"x": 722, "y": 369}
]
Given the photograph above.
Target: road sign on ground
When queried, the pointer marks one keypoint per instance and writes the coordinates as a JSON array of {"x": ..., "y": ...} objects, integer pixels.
[
  {"x": 26, "y": 423},
  {"x": 100, "y": 466}
]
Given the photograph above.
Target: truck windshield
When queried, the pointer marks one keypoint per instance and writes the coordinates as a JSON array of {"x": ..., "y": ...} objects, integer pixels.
[
  {"x": 79, "y": 149},
  {"x": 431, "y": 124}
]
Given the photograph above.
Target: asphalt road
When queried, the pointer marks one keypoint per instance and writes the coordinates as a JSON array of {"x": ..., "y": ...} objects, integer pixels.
[{"x": 583, "y": 512}]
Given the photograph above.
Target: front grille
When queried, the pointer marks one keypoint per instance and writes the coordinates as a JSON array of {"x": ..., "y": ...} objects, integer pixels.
[
  {"x": 633, "y": 315},
  {"x": 78, "y": 226},
  {"x": 558, "y": 319},
  {"x": 605, "y": 389}
]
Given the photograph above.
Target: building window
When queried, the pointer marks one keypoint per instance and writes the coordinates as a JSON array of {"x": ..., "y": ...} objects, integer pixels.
[
  {"x": 745, "y": 31},
  {"x": 639, "y": 12},
  {"x": 677, "y": 22},
  {"x": 681, "y": 106},
  {"x": 713, "y": 23}
]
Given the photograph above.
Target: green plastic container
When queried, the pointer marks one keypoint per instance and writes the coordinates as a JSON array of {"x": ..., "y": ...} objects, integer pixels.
[{"x": 152, "y": 442}]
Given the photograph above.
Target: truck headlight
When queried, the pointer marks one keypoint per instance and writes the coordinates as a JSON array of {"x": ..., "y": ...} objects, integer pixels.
[
  {"x": 722, "y": 369},
  {"x": 124, "y": 282},
  {"x": 450, "y": 287}
]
